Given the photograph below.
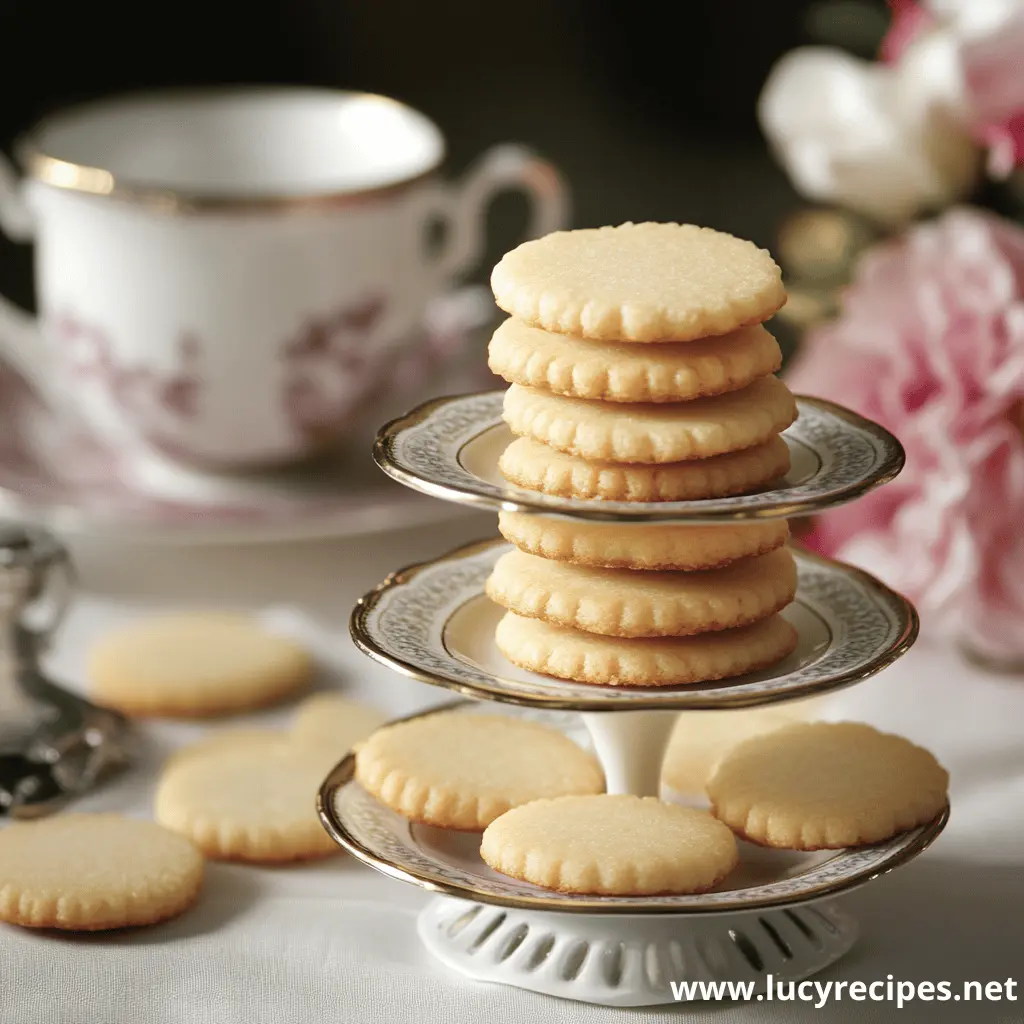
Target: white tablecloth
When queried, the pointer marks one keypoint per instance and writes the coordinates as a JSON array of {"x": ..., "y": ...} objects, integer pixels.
[{"x": 336, "y": 941}]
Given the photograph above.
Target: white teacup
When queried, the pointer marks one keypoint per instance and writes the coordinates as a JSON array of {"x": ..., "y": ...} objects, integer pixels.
[{"x": 224, "y": 275}]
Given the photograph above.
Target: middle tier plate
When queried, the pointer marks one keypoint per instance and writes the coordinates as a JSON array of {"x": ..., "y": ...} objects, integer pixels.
[
  {"x": 433, "y": 622},
  {"x": 449, "y": 448}
]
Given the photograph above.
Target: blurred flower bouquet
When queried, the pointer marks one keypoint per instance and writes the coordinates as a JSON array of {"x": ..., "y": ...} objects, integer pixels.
[{"x": 912, "y": 305}]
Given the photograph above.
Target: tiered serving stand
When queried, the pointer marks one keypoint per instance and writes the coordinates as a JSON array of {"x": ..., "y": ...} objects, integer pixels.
[{"x": 433, "y": 622}]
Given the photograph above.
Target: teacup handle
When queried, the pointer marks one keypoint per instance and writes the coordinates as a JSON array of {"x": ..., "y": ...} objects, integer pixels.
[
  {"x": 20, "y": 339},
  {"x": 462, "y": 206}
]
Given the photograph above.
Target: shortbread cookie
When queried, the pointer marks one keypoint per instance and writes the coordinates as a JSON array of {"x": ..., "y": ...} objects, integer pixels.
[
  {"x": 335, "y": 722},
  {"x": 643, "y": 546},
  {"x": 461, "y": 771},
  {"x": 639, "y": 282},
  {"x": 195, "y": 664},
  {"x": 537, "y": 467},
  {"x": 622, "y": 372},
  {"x": 826, "y": 785},
  {"x": 652, "y": 661},
  {"x": 623, "y": 602},
  {"x": 701, "y": 738},
  {"x": 90, "y": 872},
  {"x": 652, "y": 433},
  {"x": 253, "y": 801},
  {"x": 610, "y": 845}
]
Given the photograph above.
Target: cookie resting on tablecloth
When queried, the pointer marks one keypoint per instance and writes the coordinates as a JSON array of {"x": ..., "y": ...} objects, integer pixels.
[
  {"x": 92, "y": 872},
  {"x": 249, "y": 799},
  {"x": 195, "y": 664}
]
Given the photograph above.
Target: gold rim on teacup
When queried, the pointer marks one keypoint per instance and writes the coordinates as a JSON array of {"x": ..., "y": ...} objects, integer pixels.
[{"x": 73, "y": 176}]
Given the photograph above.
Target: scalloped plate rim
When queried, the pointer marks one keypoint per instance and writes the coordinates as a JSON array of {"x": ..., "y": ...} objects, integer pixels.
[
  {"x": 905, "y": 847},
  {"x": 515, "y": 499},
  {"x": 610, "y": 700}
]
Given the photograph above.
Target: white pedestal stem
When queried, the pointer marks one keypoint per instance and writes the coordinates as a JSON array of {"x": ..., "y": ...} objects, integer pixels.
[{"x": 631, "y": 746}]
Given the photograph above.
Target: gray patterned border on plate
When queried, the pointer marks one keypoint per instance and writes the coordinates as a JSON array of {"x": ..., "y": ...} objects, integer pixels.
[
  {"x": 402, "y": 623},
  {"x": 422, "y": 450},
  {"x": 384, "y": 840}
]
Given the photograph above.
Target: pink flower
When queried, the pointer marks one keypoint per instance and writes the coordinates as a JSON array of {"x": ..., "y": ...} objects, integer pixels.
[
  {"x": 994, "y": 86},
  {"x": 979, "y": 47},
  {"x": 930, "y": 343},
  {"x": 909, "y": 19}
]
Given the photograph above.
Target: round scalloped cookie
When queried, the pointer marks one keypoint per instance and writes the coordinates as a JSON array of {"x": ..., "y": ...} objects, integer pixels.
[
  {"x": 627, "y": 603},
  {"x": 92, "y": 872},
  {"x": 538, "y": 646},
  {"x": 641, "y": 546},
  {"x": 612, "y": 845},
  {"x": 460, "y": 771},
  {"x": 610, "y": 372},
  {"x": 639, "y": 282},
  {"x": 652, "y": 433},
  {"x": 537, "y": 467},
  {"x": 826, "y": 785}
]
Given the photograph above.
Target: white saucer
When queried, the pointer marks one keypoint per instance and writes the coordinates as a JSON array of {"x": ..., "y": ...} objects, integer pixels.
[{"x": 55, "y": 474}]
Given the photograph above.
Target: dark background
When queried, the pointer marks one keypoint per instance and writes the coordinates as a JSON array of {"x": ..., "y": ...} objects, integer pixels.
[{"x": 647, "y": 107}]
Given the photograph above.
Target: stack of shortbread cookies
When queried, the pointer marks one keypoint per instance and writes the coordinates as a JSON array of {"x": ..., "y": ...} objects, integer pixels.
[{"x": 640, "y": 371}]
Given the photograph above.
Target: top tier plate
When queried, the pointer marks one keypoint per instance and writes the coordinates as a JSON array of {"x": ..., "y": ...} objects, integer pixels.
[{"x": 449, "y": 448}]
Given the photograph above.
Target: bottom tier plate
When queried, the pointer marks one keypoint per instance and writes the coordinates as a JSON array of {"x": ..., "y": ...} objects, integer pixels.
[{"x": 449, "y": 862}]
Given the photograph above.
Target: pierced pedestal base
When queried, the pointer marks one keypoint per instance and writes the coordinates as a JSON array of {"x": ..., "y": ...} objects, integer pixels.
[{"x": 619, "y": 960}]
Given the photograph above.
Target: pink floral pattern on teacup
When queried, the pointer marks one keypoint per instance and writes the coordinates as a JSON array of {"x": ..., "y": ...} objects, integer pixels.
[
  {"x": 158, "y": 403},
  {"x": 330, "y": 365},
  {"x": 338, "y": 374}
]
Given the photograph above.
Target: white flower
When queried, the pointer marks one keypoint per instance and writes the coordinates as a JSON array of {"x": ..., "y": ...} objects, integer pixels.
[
  {"x": 886, "y": 142},
  {"x": 971, "y": 19},
  {"x": 929, "y": 77}
]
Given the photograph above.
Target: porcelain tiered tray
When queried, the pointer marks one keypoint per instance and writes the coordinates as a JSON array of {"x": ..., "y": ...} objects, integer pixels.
[{"x": 433, "y": 622}]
